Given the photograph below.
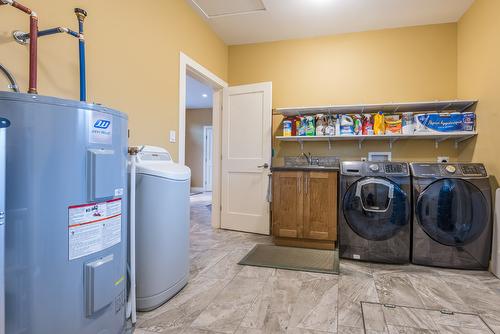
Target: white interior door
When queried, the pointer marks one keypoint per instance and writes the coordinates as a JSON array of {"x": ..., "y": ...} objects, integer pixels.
[
  {"x": 246, "y": 157},
  {"x": 207, "y": 158}
]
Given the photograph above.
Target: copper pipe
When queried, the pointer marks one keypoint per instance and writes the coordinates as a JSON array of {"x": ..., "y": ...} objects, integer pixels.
[
  {"x": 33, "y": 54},
  {"x": 21, "y": 7},
  {"x": 33, "y": 41}
]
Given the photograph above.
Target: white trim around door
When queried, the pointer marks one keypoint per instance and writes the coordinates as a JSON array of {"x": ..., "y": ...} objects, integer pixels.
[
  {"x": 196, "y": 70},
  {"x": 208, "y": 148}
]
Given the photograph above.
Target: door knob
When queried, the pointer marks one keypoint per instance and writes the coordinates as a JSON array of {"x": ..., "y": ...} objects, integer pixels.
[{"x": 266, "y": 165}]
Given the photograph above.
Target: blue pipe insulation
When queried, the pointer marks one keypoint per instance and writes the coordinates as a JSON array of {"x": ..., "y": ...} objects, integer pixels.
[
  {"x": 53, "y": 31},
  {"x": 81, "y": 42},
  {"x": 81, "y": 15},
  {"x": 49, "y": 32},
  {"x": 83, "y": 82},
  {"x": 72, "y": 33}
]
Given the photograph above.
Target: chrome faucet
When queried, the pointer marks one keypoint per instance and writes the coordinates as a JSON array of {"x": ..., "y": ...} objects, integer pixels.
[{"x": 308, "y": 157}]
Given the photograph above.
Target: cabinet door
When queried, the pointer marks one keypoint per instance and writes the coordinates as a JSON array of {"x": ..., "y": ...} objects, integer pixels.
[
  {"x": 288, "y": 204},
  {"x": 320, "y": 206}
]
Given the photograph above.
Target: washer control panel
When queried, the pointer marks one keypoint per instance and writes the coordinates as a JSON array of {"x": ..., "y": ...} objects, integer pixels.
[
  {"x": 372, "y": 168},
  {"x": 396, "y": 168},
  {"x": 448, "y": 170}
]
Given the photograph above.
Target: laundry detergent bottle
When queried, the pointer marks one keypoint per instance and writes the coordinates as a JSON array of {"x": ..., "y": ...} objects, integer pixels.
[
  {"x": 346, "y": 125},
  {"x": 379, "y": 124}
]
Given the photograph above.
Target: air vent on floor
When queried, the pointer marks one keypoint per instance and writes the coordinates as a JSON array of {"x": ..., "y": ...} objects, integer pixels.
[{"x": 218, "y": 8}]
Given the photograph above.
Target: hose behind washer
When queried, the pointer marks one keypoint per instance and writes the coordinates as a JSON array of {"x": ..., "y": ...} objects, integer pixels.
[{"x": 13, "y": 84}]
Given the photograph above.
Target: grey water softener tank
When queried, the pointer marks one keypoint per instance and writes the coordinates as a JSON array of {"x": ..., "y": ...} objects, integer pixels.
[{"x": 66, "y": 206}]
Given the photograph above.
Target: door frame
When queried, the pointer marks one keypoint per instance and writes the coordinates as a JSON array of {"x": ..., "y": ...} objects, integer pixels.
[
  {"x": 205, "y": 154},
  {"x": 196, "y": 70}
]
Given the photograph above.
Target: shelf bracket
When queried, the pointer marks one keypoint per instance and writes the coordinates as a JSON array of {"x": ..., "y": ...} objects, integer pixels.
[
  {"x": 459, "y": 140},
  {"x": 360, "y": 141},
  {"x": 446, "y": 107},
  {"x": 392, "y": 141},
  {"x": 301, "y": 145},
  {"x": 329, "y": 144},
  {"x": 439, "y": 140},
  {"x": 467, "y": 107}
]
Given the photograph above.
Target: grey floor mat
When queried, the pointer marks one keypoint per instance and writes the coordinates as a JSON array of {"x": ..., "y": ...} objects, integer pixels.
[
  {"x": 387, "y": 318},
  {"x": 293, "y": 258}
]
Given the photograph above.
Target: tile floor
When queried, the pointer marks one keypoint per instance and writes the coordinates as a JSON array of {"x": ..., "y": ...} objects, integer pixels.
[{"x": 224, "y": 297}]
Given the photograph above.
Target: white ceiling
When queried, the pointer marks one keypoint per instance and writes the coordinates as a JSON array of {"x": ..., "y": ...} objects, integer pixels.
[
  {"x": 242, "y": 22},
  {"x": 195, "y": 94}
]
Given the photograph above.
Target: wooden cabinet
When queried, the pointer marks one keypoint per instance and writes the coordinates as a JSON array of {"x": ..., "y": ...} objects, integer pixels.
[
  {"x": 305, "y": 208},
  {"x": 288, "y": 204},
  {"x": 320, "y": 206}
]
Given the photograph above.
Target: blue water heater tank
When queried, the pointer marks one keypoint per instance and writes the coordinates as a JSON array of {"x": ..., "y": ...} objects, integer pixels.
[{"x": 66, "y": 209}]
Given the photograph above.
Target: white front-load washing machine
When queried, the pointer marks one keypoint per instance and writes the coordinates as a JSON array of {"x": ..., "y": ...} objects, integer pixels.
[{"x": 162, "y": 227}]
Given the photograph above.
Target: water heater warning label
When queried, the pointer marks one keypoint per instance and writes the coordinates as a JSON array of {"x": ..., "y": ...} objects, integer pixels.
[{"x": 94, "y": 227}]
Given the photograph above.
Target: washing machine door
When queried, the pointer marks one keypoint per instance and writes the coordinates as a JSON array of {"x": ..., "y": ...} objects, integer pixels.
[
  {"x": 376, "y": 208},
  {"x": 453, "y": 212}
]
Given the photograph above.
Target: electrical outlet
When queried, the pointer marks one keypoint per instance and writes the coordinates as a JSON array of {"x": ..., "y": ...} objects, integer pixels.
[
  {"x": 443, "y": 159},
  {"x": 172, "y": 136}
]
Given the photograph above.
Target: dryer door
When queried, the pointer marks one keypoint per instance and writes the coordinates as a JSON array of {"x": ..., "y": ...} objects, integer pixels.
[
  {"x": 452, "y": 212},
  {"x": 376, "y": 208}
]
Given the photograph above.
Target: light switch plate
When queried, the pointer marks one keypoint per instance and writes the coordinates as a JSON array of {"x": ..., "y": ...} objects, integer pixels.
[{"x": 172, "y": 136}]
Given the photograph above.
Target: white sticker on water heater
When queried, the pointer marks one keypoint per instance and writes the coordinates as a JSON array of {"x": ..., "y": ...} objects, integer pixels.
[
  {"x": 94, "y": 227},
  {"x": 101, "y": 128}
]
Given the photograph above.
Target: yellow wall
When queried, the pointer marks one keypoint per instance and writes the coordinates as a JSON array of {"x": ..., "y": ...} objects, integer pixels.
[
  {"x": 133, "y": 61},
  {"x": 132, "y": 57},
  {"x": 395, "y": 65},
  {"x": 196, "y": 119},
  {"x": 479, "y": 77}
]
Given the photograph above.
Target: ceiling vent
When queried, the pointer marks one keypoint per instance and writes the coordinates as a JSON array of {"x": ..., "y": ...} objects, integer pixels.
[{"x": 217, "y": 8}]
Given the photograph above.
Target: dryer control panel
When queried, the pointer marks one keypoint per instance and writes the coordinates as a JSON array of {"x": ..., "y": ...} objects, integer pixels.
[{"x": 449, "y": 170}]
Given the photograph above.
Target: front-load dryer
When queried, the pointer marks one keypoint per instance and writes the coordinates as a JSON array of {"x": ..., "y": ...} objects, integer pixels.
[
  {"x": 375, "y": 211},
  {"x": 452, "y": 225}
]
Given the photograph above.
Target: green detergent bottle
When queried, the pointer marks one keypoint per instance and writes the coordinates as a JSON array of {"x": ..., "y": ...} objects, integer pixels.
[{"x": 310, "y": 126}]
